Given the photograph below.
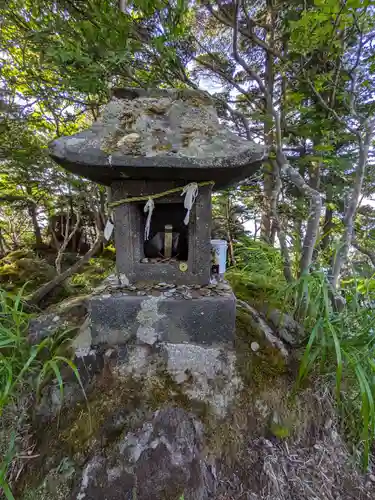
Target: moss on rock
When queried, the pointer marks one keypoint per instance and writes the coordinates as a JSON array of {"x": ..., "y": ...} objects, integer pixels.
[
  {"x": 17, "y": 270},
  {"x": 259, "y": 368}
]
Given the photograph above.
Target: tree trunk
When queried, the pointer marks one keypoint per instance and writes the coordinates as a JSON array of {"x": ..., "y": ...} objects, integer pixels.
[
  {"x": 37, "y": 232},
  {"x": 266, "y": 219},
  {"x": 45, "y": 289},
  {"x": 314, "y": 181},
  {"x": 312, "y": 229},
  {"x": 346, "y": 239},
  {"x": 268, "y": 184},
  {"x": 32, "y": 210},
  {"x": 328, "y": 220},
  {"x": 68, "y": 236},
  {"x": 277, "y": 226}
]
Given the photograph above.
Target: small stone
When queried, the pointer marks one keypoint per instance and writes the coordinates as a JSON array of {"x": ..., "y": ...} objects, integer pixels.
[
  {"x": 168, "y": 294},
  {"x": 223, "y": 286},
  {"x": 112, "y": 280},
  {"x": 187, "y": 296},
  {"x": 123, "y": 279},
  {"x": 132, "y": 288},
  {"x": 162, "y": 284},
  {"x": 141, "y": 292},
  {"x": 255, "y": 346},
  {"x": 372, "y": 478},
  {"x": 109, "y": 353},
  {"x": 56, "y": 319},
  {"x": 144, "y": 261},
  {"x": 128, "y": 139},
  {"x": 211, "y": 286},
  {"x": 197, "y": 287}
]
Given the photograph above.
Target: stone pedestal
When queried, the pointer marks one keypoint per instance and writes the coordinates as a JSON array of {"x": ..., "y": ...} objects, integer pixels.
[
  {"x": 182, "y": 335},
  {"x": 168, "y": 316}
]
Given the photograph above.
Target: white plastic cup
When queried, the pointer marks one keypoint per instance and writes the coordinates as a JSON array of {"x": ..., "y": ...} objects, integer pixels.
[{"x": 219, "y": 252}]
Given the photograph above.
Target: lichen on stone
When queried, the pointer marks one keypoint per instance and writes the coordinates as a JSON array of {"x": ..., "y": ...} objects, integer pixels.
[{"x": 187, "y": 121}]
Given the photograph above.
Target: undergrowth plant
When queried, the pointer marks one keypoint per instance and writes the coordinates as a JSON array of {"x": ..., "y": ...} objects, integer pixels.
[
  {"x": 258, "y": 273},
  {"x": 339, "y": 344},
  {"x": 25, "y": 368}
]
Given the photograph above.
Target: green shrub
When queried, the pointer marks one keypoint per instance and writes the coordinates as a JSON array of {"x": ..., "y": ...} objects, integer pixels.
[{"x": 23, "y": 269}]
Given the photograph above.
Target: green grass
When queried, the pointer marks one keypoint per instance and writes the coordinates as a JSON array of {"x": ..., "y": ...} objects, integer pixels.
[
  {"x": 339, "y": 345},
  {"x": 25, "y": 368},
  {"x": 258, "y": 273}
]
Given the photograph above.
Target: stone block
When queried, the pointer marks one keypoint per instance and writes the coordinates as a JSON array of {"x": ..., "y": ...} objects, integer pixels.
[
  {"x": 115, "y": 319},
  {"x": 204, "y": 374}
]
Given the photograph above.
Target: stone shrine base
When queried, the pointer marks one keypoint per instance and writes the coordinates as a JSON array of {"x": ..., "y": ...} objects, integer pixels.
[
  {"x": 163, "y": 313},
  {"x": 156, "y": 331}
]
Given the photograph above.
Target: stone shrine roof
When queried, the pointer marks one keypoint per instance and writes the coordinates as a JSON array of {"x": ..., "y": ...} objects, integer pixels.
[{"x": 158, "y": 134}]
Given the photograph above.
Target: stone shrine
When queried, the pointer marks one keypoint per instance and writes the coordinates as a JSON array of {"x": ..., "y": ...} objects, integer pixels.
[{"x": 161, "y": 152}]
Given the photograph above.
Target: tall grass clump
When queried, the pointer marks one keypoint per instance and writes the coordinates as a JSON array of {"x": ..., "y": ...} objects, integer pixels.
[
  {"x": 24, "y": 368},
  {"x": 258, "y": 273},
  {"x": 341, "y": 346}
]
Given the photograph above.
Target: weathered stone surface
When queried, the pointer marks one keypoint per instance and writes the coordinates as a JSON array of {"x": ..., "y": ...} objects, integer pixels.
[
  {"x": 177, "y": 131},
  {"x": 205, "y": 374},
  {"x": 160, "y": 461},
  {"x": 67, "y": 315},
  {"x": 81, "y": 344},
  {"x": 286, "y": 327},
  {"x": 207, "y": 320},
  {"x": 135, "y": 361}
]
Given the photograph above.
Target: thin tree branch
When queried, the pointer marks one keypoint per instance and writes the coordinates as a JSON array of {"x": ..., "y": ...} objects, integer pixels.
[
  {"x": 67, "y": 238},
  {"x": 331, "y": 110},
  {"x": 253, "y": 74},
  {"x": 346, "y": 239},
  {"x": 249, "y": 34}
]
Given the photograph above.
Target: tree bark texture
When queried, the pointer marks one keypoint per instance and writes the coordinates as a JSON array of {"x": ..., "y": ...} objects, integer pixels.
[
  {"x": 268, "y": 179},
  {"x": 346, "y": 239}
]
